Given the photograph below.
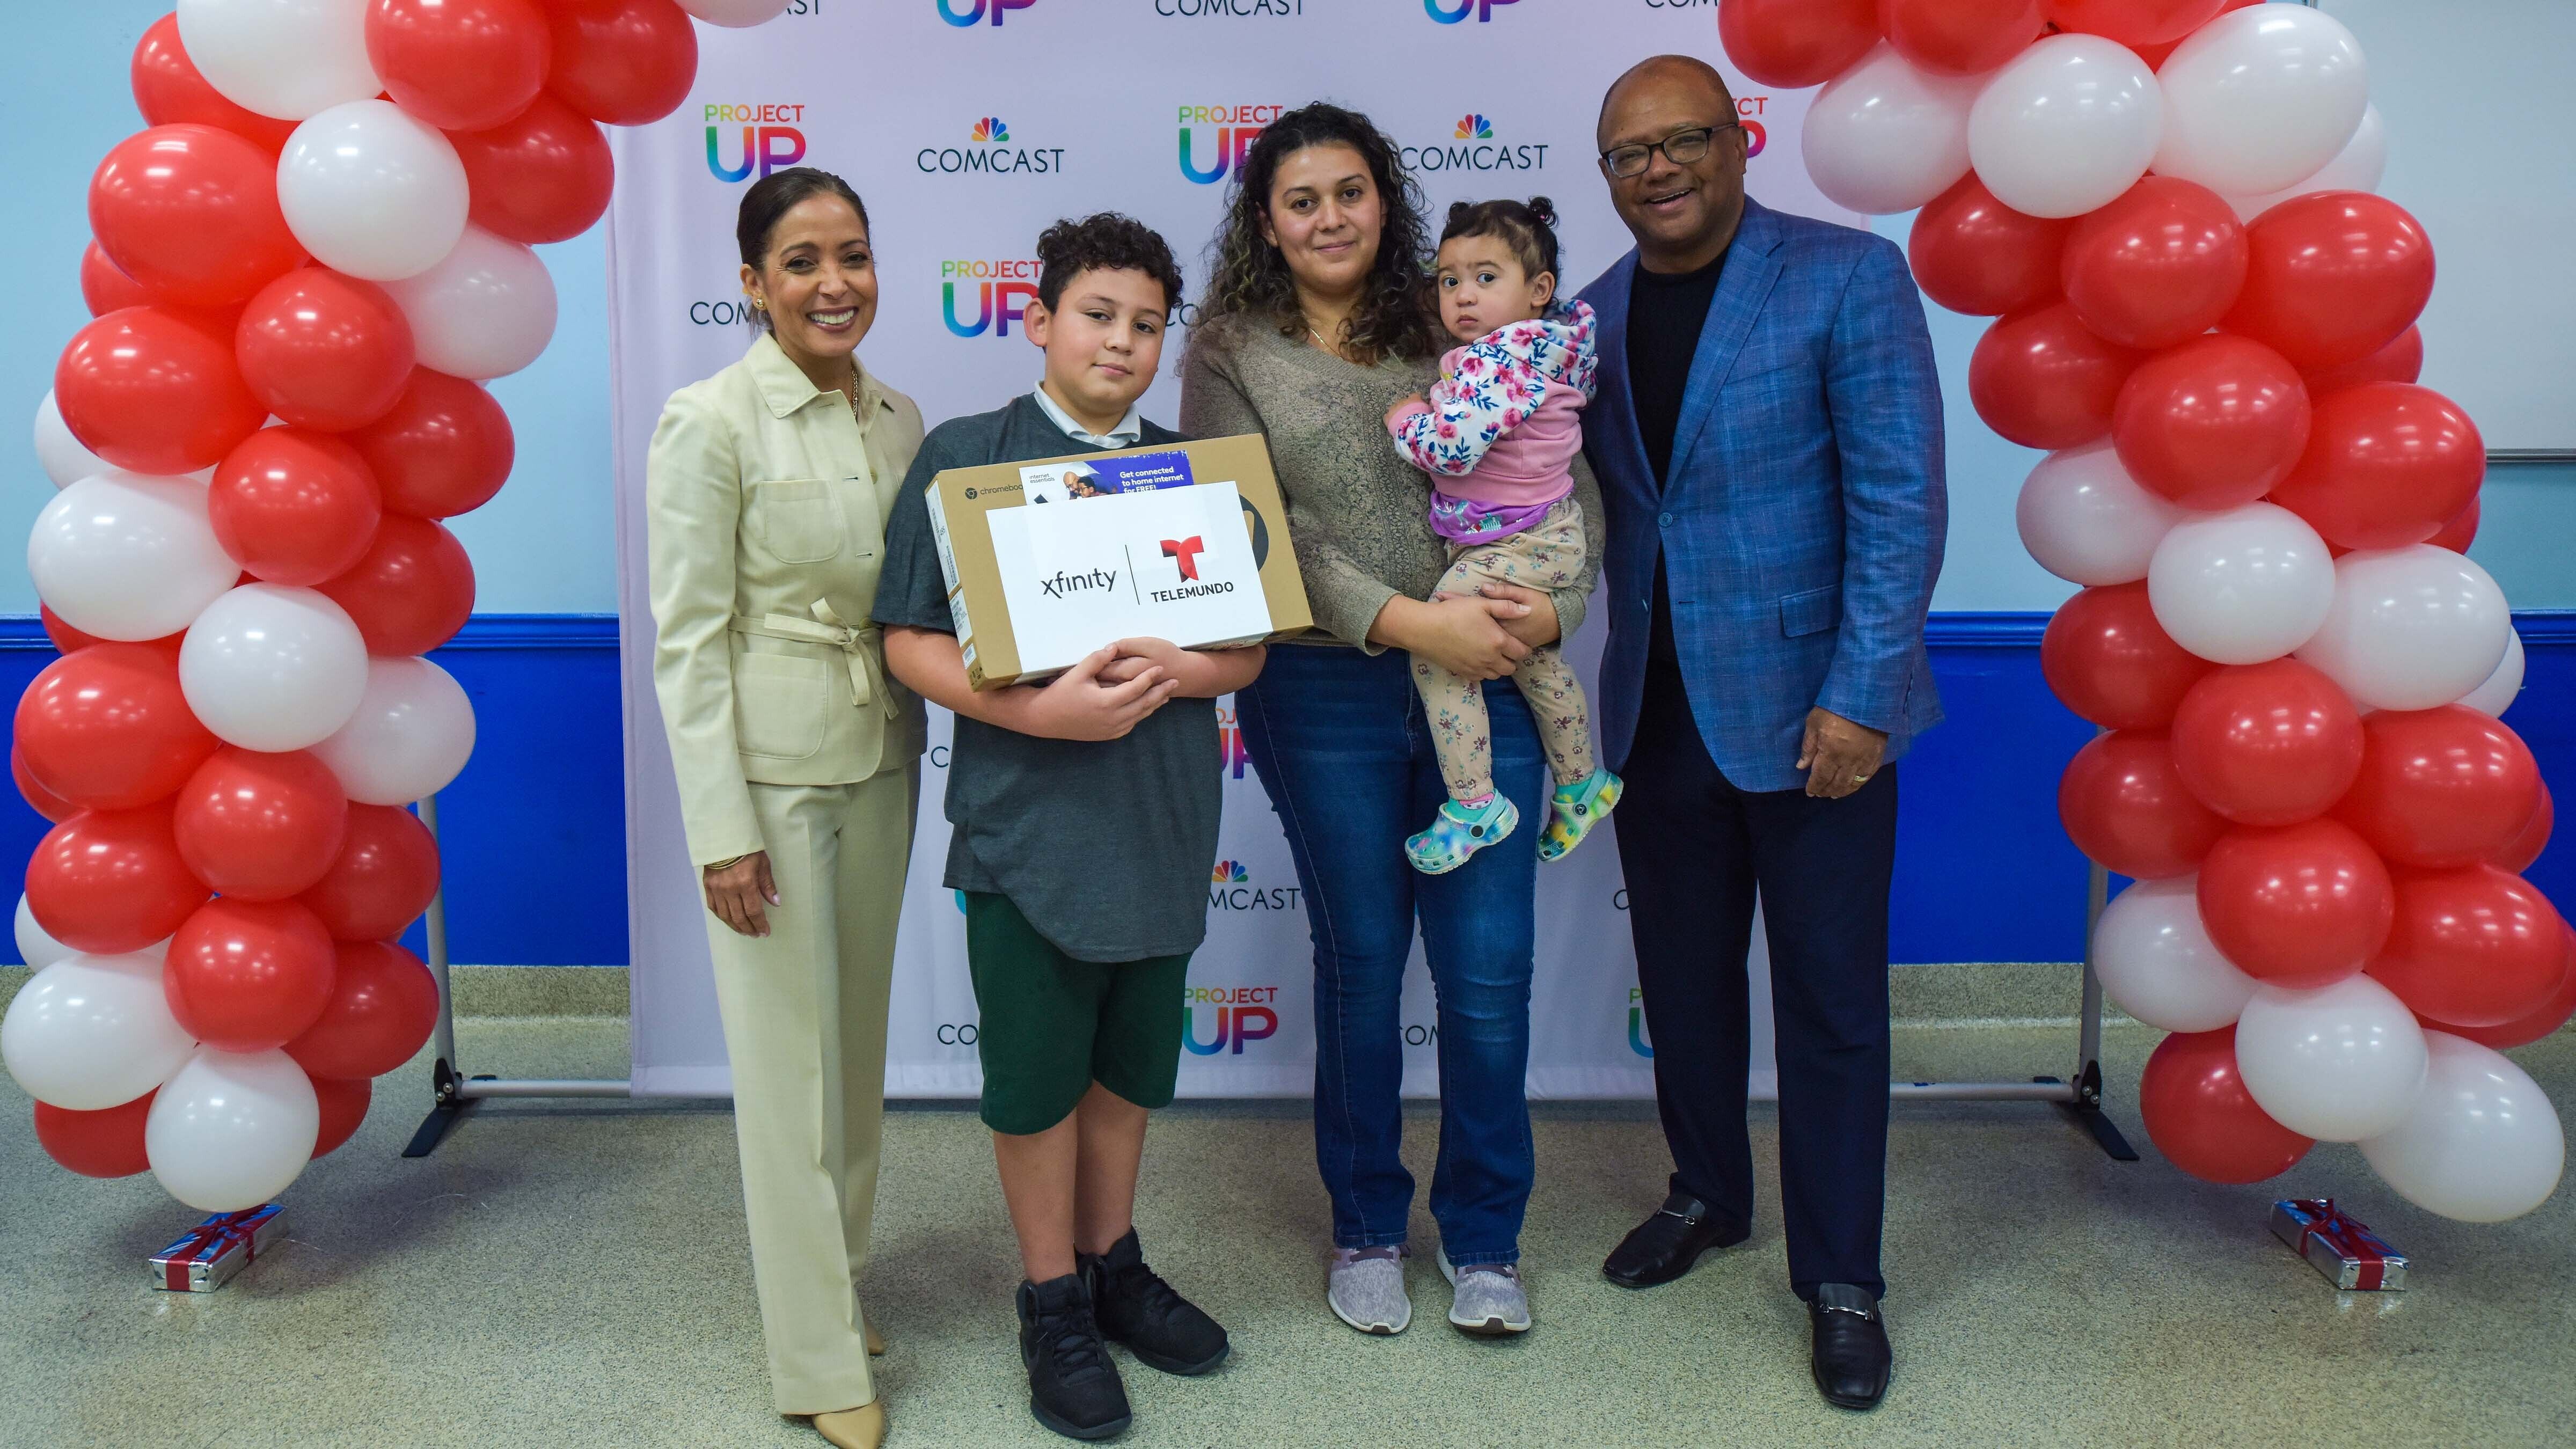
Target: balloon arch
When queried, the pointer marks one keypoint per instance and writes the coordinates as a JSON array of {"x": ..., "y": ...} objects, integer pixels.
[
  {"x": 302, "y": 272},
  {"x": 2208, "y": 318}
]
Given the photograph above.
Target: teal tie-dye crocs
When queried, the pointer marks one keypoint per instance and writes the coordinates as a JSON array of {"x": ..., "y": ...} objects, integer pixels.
[
  {"x": 1459, "y": 832},
  {"x": 1573, "y": 810}
]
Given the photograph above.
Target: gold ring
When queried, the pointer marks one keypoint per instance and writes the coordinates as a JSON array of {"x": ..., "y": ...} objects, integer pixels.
[{"x": 1860, "y": 779}]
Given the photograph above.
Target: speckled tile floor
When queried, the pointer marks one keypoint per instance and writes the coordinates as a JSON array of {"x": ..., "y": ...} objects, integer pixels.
[{"x": 575, "y": 1275}]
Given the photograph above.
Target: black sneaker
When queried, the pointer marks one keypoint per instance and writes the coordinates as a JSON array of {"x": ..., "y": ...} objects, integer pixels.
[
  {"x": 1073, "y": 1386},
  {"x": 1137, "y": 1308}
]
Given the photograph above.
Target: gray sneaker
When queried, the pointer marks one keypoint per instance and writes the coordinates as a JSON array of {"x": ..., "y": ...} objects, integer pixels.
[
  {"x": 1367, "y": 1290},
  {"x": 1488, "y": 1298}
]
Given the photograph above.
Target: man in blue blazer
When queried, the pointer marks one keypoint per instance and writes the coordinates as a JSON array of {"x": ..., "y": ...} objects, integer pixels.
[{"x": 1768, "y": 439}]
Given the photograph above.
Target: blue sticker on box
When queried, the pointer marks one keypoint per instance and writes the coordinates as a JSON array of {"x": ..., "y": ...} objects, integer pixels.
[{"x": 1077, "y": 478}]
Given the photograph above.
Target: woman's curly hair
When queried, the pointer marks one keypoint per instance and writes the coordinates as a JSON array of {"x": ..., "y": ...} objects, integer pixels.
[{"x": 1250, "y": 277}]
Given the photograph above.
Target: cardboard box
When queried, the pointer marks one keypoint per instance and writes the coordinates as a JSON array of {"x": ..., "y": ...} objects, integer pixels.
[{"x": 1052, "y": 559}]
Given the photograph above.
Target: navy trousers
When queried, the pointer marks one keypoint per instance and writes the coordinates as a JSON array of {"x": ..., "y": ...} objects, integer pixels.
[{"x": 1695, "y": 848}]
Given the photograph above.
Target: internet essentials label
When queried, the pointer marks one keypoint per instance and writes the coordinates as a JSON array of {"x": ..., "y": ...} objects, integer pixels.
[{"x": 1086, "y": 478}]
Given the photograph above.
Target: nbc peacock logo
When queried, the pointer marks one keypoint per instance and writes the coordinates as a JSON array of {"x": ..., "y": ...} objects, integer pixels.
[
  {"x": 1473, "y": 127},
  {"x": 992, "y": 130},
  {"x": 1229, "y": 872}
]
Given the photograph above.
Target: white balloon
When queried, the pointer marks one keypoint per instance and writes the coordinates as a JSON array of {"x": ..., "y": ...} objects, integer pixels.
[
  {"x": 273, "y": 668},
  {"x": 2260, "y": 97},
  {"x": 2087, "y": 521},
  {"x": 2156, "y": 959},
  {"x": 2339, "y": 1063},
  {"x": 372, "y": 191},
  {"x": 2497, "y": 695},
  {"x": 2243, "y": 586},
  {"x": 64, "y": 458},
  {"x": 2357, "y": 167},
  {"x": 2066, "y": 125},
  {"x": 283, "y": 58},
  {"x": 486, "y": 310},
  {"x": 2411, "y": 627},
  {"x": 38, "y": 949},
  {"x": 1884, "y": 137},
  {"x": 737, "y": 14},
  {"x": 411, "y": 735},
  {"x": 231, "y": 1129},
  {"x": 2482, "y": 1143},
  {"x": 125, "y": 556},
  {"x": 89, "y": 1032}
]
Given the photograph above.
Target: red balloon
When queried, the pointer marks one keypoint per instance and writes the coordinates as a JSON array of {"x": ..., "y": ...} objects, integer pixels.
[
  {"x": 2400, "y": 361},
  {"x": 39, "y": 799},
  {"x": 445, "y": 449},
  {"x": 2531, "y": 1026},
  {"x": 2043, "y": 381},
  {"x": 107, "y": 728},
  {"x": 155, "y": 390},
  {"x": 411, "y": 591},
  {"x": 2106, "y": 658},
  {"x": 2158, "y": 266},
  {"x": 2525, "y": 848},
  {"x": 1793, "y": 44},
  {"x": 69, "y": 640},
  {"x": 2460, "y": 532},
  {"x": 190, "y": 213},
  {"x": 459, "y": 64},
  {"x": 2200, "y": 1116},
  {"x": 249, "y": 976},
  {"x": 2336, "y": 276},
  {"x": 2441, "y": 787},
  {"x": 2124, "y": 806},
  {"x": 2134, "y": 23},
  {"x": 294, "y": 506},
  {"x": 2212, "y": 424},
  {"x": 2299, "y": 906},
  {"x": 104, "y": 1143},
  {"x": 109, "y": 881},
  {"x": 344, "y": 1106},
  {"x": 2477, "y": 946},
  {"x": 1973, "y": 254},
  {"x": 2155, "y": 54},
  {"x": 261, "y": 827},
  {"x": 2267, "y": 744},
  {"x": 2387, "y": 464},
  {"x": 104, "y": 285},
  {"x": 169, "y": 90},
  {"x": 542, "y": 176},
  {"x": 324, "y": 350},
  {"x": 385, "y": 876},
  {"x": 624, "y": 62},
  {"x": 383, "y": 1003},
  {"x": 1960, "y": 37}
]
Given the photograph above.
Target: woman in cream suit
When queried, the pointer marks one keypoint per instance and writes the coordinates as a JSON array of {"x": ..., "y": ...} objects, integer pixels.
[{"x": 798, "y": 756}]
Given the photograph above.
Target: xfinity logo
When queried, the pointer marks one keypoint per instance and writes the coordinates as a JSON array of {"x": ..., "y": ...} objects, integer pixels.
[{"x": 1065, "y": 584}]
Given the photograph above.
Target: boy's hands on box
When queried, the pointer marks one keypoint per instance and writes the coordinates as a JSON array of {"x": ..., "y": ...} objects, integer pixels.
[{"x": 1083, "y": 703}]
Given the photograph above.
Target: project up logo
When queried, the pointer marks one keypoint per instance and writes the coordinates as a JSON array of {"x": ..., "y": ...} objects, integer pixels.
[
  {"x": 1003, "y": 288},
  {"x": 1229, "y": 734},
  {"x": 1637, "y": 1025},
  {"x": 771, "y": 137},
  {"x": 1244, "y": 1014},
  {"x": 989, "y": 152},
  {"x": 962, "y": 13},
  {"x": 1471, "y": 146},
  {"x": 1450, "y": 12},
  {"x": 1214, "y": 139}
]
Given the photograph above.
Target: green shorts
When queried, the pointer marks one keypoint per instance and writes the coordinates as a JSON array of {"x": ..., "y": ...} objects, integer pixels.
[{"x": 1051, "y": 1025}]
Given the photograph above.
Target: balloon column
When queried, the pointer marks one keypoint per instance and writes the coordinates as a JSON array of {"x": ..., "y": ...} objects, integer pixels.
[
  {"x": 2207, "y": 317},
  {"x": 304, "y": 269}
]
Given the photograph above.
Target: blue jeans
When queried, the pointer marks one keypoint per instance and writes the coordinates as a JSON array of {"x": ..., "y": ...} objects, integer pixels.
[{"x": 1343, "y": 749}]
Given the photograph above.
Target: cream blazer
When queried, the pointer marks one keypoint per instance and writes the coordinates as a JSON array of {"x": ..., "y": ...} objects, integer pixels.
[{"x": 766, "y": 500}]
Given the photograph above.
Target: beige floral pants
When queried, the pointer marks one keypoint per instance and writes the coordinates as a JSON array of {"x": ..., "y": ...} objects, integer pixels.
[{"x": 1546, "y": 557}]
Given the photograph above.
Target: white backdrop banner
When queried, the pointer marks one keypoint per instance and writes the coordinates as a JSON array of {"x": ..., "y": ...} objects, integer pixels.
[{"x": 968, "y": 126}]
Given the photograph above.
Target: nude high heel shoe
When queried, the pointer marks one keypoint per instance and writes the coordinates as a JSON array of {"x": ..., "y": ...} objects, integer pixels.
[{"x": 861, "y": 1428}]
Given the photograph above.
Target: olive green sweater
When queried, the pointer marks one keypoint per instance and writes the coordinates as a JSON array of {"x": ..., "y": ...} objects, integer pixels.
[{"x": 1359, "y": 513}]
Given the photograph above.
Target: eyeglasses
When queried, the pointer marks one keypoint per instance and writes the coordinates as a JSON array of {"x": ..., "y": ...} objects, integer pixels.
[{"x": 1680, "y": 148}]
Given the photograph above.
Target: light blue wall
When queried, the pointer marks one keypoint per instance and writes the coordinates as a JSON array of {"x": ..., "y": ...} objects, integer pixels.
[{"x": 547, "y": 543}]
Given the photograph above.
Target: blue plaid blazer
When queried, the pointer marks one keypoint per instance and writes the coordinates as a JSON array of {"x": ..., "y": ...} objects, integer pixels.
[{"x": 1802, "y": 524}]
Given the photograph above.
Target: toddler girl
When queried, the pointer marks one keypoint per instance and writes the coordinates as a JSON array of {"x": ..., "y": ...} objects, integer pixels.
[{"x": 1499, "y": 434}]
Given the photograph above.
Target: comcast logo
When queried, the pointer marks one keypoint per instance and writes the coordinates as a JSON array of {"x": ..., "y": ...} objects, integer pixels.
[
  {"x": 1229, "y": 872},
  {"x": 990, "y": 129},
  {"x": 1473, "y": 127}
]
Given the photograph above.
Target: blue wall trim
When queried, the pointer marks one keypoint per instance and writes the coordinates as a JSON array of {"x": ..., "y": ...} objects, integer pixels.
[{"x": 535, "y": 832}]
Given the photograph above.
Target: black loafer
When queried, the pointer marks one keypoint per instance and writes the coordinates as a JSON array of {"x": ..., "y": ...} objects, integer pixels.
[
  {"x": 1664, "y": 1246},
  {"x": 1851, "y": 1359}
]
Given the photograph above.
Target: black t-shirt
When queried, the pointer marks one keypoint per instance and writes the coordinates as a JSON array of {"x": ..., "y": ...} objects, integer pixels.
[{"x": 1665, "y": 315}]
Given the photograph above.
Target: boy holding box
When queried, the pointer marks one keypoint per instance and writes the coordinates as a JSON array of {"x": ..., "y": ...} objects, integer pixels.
[{"x": 1078, "y": 974}]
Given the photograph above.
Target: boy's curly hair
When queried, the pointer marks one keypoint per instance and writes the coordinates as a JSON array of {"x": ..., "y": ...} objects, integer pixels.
[{"x": 1108, "y": 241}]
